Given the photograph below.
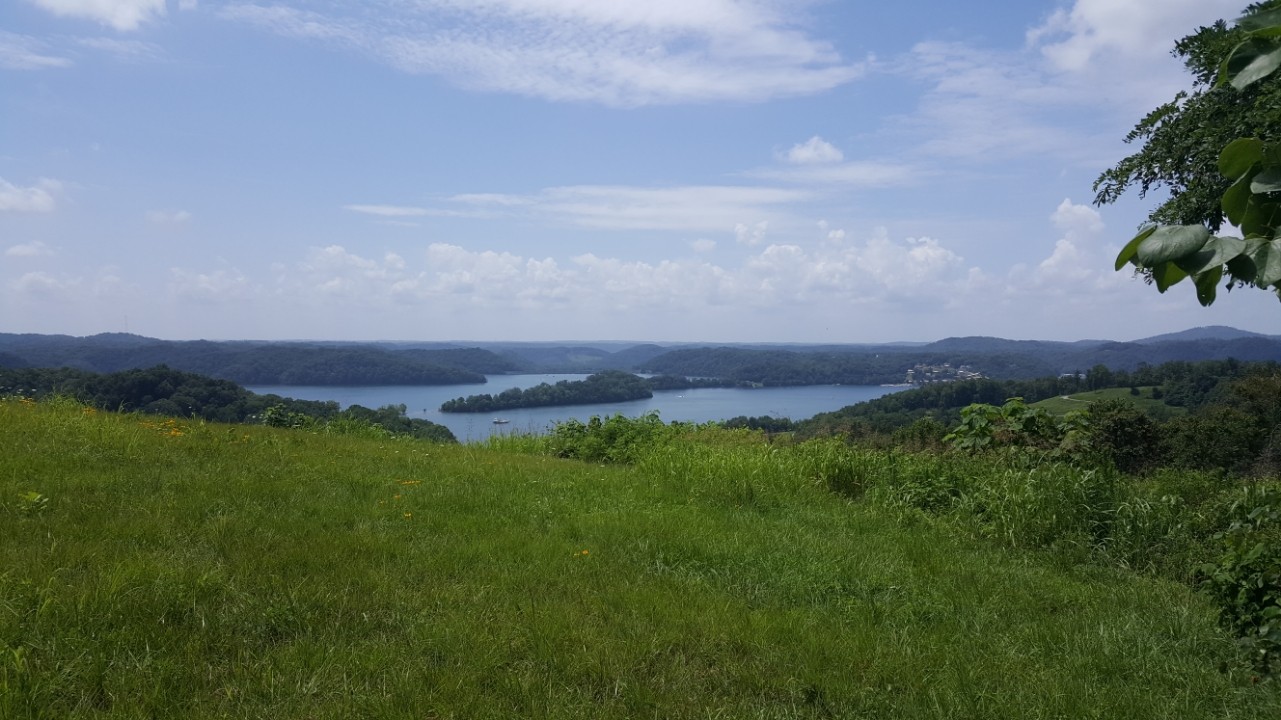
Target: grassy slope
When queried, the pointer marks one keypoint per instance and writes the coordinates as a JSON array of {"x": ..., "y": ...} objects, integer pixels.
[
  {"x": 213, "y": 571},
  {"x": 1080, "y": 401}
]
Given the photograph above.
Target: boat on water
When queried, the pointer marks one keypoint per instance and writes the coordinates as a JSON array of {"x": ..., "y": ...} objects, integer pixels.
[{"x": 501, "y": 421}]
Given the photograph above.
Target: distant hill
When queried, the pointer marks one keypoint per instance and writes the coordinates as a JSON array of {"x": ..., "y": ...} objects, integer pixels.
[
  {"x": 251, "y": 363},
  {"x": 1208, "y": 332},
  {"x": 440, "y": 363}
]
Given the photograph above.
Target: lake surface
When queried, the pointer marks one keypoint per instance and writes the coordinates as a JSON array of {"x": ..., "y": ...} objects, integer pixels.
[{"x": 697, "y": 405}]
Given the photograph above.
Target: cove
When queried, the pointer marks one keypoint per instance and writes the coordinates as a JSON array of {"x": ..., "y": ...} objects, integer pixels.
[{"x": 695, "y": 405}]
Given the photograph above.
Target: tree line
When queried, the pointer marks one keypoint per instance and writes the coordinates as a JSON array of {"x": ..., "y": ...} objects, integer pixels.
[
  {"x": 162, "y": 390},
  {"x": 604, "y": 387}
]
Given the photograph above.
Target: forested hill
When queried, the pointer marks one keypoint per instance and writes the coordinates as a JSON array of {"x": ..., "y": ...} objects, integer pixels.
[
  {"x": 436, "y": 363},
  {"x": 255, "y": 363},
  {"x": 993, "y": 357}
]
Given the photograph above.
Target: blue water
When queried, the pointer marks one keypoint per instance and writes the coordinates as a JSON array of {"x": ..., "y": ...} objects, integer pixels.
[{"x": 699, "y": 405}]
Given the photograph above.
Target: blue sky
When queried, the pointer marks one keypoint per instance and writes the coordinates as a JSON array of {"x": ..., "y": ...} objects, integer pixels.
[{"x": 681, "y": 170}]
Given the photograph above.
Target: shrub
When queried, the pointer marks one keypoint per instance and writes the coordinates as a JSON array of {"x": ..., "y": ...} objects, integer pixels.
[{"x": 1246, "y": 581}]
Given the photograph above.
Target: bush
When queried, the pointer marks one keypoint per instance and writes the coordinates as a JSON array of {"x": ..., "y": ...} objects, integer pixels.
[{"x": 1246, "y": 581}]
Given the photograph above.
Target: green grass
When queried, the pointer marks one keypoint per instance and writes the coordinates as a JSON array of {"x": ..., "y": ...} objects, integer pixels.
[
  {"x": 202, "y": 571},
  {"x": 1081, "y": 401}
]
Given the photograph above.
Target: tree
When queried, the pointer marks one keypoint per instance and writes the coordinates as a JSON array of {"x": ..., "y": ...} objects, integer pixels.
[{"x": 1218, "y": 152}]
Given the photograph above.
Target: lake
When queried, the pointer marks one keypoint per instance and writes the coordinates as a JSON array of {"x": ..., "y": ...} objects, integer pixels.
[{"x": 696, "y": 405}]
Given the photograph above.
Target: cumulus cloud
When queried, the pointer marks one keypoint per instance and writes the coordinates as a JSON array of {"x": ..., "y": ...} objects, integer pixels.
[
  {"x": 1095, "y": 30},
  {"x": 1102, "y": 62},
  {"x": 751, "y": 235},
  {"x": 703, "y": 245},
  {"x": 118, "y": 14},
  {"x": 211, "y": 287},
  {"x": 36, "y": 198},
  {"x": 619, "y": 54},
  {"x": 877, "y": 271},
  {"x": 26, "y": 250},
  {"x": 22, "y": 52},
  {"x": 816, "y": 150},
  {"x": 1080, "y": 260}
]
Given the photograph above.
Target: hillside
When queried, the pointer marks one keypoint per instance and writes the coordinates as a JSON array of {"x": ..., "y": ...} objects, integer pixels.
[
  {"x": 164, "y": 568},
  {"x": 433, "y": 363}
]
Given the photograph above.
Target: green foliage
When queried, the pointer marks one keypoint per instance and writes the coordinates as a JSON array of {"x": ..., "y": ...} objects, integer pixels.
[
  {"x": 604, "y": 387},
  {"x": 1123, "y": 435},
  {"x": 615, "y": 439},
  {"x": 31, "y": 502},
  {"x": 1014, "y": 424},
  {"x": 1246, "y": 581},
  {"x": 253, "y": 572},
  {"x": 1242, "y": 185}
]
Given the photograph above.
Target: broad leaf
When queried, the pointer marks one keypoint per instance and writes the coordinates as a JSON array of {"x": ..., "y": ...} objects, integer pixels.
[
  {"x": 1261, "y": 217},
  {"x": 1167, "y": 275},
  {"x": 1240, "y": 155},
  {"x": 1132, "y": 247},
  {"x": 1207, "y": 285},
  {"x": 1216, "y": 252},
  {"x": 1255, "y": 63},
  {"x": 1266, "y": 256},
  {"x": 1236, "y": 200},
  {"x": 1268, "y": 180},
  {"x": 1168, "y": 242},
  {"x": 1242, "y": 268}
]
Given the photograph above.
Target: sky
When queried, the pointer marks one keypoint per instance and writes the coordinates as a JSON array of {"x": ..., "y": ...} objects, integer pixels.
[{"x": 668, "y": 170}]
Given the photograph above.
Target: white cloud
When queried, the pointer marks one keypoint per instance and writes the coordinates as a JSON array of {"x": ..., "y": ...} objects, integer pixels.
[
  {"x": 211, "y": 287},
  {"x": 862, "y": 173},
  {"x": 1092, "y": 32},
  {"x": 118, "y": 14},
  {"x": 1079, "y": 268},
  {"x": 613, "y": 53},
  {"x": 911, "y": 273},
  {"x": 31, "y": 249},
  {"x": 45, "y": 286},
  {"x": 168, "y": 217},
  {"x": 37, "y": 198},
  {"x": 693, "y": 208},
  {"x": 1081, "y": 80},
  {"x": 123, "y": 49},
  {"x": 388, "y": 210},
  {"x": 703, "y": 245},
  {"x": 753, "y": 235},
  {"x": 816, "y": 150},
  {"x": 22, "y": 52}
]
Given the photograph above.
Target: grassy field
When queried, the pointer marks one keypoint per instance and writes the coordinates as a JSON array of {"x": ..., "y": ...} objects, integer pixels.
[
  {"x": 153, "y": 568},
  {"x": 1080, "y": 401}
]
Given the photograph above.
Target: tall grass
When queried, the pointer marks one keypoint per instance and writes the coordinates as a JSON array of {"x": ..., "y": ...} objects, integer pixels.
[{"x": 179, "y": 569}]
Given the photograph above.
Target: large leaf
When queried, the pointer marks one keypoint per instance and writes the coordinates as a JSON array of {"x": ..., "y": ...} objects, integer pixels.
[
  {"x": 1132, "y": 247},
  {"x": 1169, "y": 242},
  {"x": 1216, "y": 252},
  {"x": 1207, "y": 285},
  {"x": 1268, "y": 180},
  {"x": 1261, "y": 217},
  {"x": 1242, "y": 267},
  {"x": 1252, "y": 61},
  {"x": 1236, "y": 201},
  {"x": 1266, "y": 256},
  {"x": 1240, "y": 155},
  {"x": 1166, "y": 275}
]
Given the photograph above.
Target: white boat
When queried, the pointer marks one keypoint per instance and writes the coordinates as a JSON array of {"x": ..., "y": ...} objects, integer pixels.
[{"x": 501, "y": 421}]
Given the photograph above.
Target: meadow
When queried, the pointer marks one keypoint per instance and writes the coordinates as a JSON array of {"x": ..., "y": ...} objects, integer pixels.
[
  {"x": 1144, "y": 401},
  {"x": 171, "y": 568}
]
